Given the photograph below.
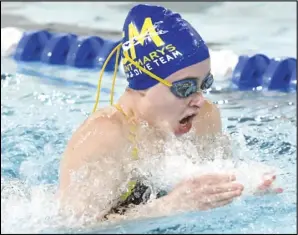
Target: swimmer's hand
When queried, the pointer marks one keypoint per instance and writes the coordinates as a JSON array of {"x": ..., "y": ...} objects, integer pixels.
[
  {"x": 205, "y": 192},
  {"x": 266, "y": 187},
  {"x": 199, "y": 193}
]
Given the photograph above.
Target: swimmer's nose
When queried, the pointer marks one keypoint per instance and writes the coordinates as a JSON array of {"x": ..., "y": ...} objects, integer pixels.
[{"x": 197, "y": 100}]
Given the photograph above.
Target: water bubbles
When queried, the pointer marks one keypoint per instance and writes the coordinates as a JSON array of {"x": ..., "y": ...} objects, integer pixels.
[
  {"x": 269, "y": 128},
  {"x": 258, "y": 118},
  {"x": 217, "y": 88},
  {"x": 68, "y": 101},
  {"x": 222, "y": 102},
  {"x": 258, "y": 88},
  {"x": 38, "y": 119}
]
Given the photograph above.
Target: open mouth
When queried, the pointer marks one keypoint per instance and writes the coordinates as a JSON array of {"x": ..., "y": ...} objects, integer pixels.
[{"x": 187, "y": 119}]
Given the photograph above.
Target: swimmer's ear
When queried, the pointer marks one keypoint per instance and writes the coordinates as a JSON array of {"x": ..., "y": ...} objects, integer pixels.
[{"x": 142, "y": 93}]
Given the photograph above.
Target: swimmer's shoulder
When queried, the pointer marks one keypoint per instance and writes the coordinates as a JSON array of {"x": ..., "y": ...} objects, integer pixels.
[
  {"x": 99, "y": 141},
  {"x": 210, "y": 109},
  {"x": 208, "y": 121},
  {"x": 101, "y": 133}
]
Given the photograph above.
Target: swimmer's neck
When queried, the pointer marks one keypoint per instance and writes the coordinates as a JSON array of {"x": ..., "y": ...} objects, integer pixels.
[{"x": 129, "y": 104}]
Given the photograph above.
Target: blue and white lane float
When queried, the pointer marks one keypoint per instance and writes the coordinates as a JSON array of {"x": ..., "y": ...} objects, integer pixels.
[{"x": 246, "y": 72}]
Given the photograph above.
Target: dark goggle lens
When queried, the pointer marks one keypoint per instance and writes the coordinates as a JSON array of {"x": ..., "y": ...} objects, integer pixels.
[
  {"x": 207, "y": 82},
  {"x": 189, "y": 86},
  {"x": 184, "y": 88}
]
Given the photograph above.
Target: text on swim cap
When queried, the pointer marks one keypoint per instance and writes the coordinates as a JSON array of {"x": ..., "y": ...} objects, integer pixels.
[
  {"x": 162, "y": 55},
  {"x": 147, "y": 31}
]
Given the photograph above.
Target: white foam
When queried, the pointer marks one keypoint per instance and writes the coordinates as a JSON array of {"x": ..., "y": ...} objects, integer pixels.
[
  {"x": 166, "y": 171},
  {"x": 10, "y": 38},
  {"x": 223, "y": 63},
  {"x": 35, "y": 208}
]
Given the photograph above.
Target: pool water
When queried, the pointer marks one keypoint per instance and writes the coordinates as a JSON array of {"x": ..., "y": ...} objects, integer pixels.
[
  {"x": 41, "y": 109},
  {"x": 42, "y": 105}
]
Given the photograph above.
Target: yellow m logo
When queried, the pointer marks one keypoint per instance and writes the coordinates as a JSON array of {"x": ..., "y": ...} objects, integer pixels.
[{"x": 134, "y": 34}]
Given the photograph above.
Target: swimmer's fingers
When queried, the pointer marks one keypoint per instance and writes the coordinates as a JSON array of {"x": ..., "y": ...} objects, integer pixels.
[
  {"x": 221, "y": 203},
  {"x": 266, "y": 186},
  {"x": 221, "y": 188},
  {"x": 216, "y": 178},
  {"x": 277, "y": 190},
  {"x": 267, "y": 191},
  {"x": 215, "y": 198}
]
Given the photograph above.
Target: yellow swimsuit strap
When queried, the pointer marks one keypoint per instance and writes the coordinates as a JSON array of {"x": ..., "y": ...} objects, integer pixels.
[
  {"x": 132, "y": 135},
  {"x": 134, "y": 152}
]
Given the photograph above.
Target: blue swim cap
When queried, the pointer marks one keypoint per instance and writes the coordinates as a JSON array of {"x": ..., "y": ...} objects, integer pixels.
[{"x": 161, "y": 42}]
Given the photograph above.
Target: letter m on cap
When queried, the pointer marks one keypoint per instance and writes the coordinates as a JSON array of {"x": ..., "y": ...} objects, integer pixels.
[{"x": 147, "y": 30}]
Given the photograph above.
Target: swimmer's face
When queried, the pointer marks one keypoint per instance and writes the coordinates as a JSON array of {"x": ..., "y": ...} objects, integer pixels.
[{"x": 164, "y": 109}]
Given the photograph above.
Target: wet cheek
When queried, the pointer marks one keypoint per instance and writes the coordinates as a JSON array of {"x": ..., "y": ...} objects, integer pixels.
[
  {"x": 164, "y": 106},
  {"x": 156, "y": 105},
  {"x": 173, "y": 109}
]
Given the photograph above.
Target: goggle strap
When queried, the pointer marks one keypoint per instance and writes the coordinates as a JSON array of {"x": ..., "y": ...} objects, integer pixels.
[
  {"x": 102, "y": 72},
  {"x": 165, "y": 82},
  {"x": 114, "y": 76},
  {"x": 117, "y": 48}
]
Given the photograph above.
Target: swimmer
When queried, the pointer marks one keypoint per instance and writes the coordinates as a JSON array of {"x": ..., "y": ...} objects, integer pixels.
[{"x": 167, "y": 65}]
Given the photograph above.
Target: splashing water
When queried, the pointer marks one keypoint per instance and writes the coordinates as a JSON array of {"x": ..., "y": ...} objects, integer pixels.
[
  {"x": 38, "y": 119},
  {"x": 38, "y": 116}
]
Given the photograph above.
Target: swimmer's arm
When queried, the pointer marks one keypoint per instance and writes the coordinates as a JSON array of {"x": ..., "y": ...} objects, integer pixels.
[
  {"x": 94, "y": 153},
  {"x": 208, "y": 122},
  {"x": 195, "y": 194}
]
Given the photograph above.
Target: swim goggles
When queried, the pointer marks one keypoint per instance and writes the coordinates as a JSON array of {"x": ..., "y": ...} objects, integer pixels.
[
  {"x": 182, "y": 88},
  {"x": 188, "y": 86}
]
